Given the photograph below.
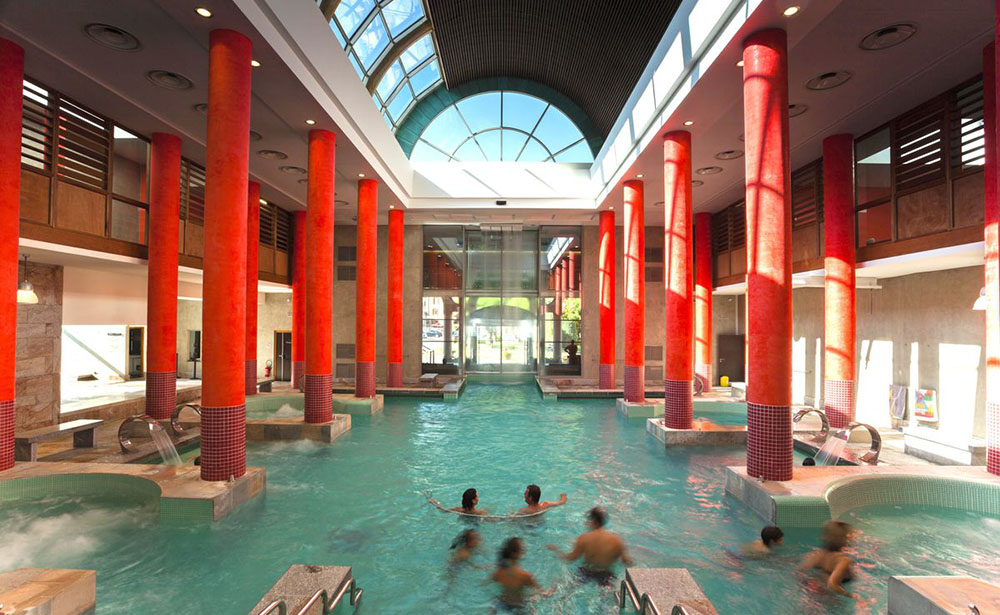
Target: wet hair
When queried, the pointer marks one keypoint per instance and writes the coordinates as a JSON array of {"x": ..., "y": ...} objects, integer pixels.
[
  {"x": 464, "y": 539},
  {"x": 770, "y": 535},
  {"x": 511, "y": 548},
  {"x": 469, "y": 498},
  {"x": 834, "y": 537},
  {"x": 597, "y": 516},
  {"x": 197, "y": 460},
  {"x": 534, "y": 493},
  {"x": 809, "y": 461}
]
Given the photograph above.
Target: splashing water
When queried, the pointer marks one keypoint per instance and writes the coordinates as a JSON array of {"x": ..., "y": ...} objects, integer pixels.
[
  {"x": 832, "y": 449},
  {"x": 168, "y": 452}
]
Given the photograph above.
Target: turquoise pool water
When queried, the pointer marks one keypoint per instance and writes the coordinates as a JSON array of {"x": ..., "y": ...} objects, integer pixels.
[{"x": 356, "y": 503}]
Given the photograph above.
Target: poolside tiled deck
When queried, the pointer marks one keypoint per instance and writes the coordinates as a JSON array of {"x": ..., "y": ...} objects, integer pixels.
[
  {"x": 49, "y": 591},
  {"x": 941, "y": 596},
  {"x": 670, "y": 587},
  {"x": 446, "y": 387}
]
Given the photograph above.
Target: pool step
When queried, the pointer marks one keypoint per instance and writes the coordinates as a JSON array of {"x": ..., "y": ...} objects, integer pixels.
[
  {"x": 49, "y": 591},
  {"x": 670, "y": 587},
  {"x": 941, "y": 595},
  {"x": 299, "y": 591}
]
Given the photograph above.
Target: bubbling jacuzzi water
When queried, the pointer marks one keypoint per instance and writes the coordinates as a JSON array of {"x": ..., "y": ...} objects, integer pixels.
[{"x": 357, "y": 502}]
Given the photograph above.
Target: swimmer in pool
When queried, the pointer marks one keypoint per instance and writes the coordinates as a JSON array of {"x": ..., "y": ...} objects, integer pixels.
[
  {"x": 469, "y": 500},
  {"x": 514, "y": 581},
  {"x": 464, "y": 546},
  {"x": 600, "y": 549},
  {"x": 532, "y": 495},
  {"x": 831, "y": 559},
  {"x": 770, "y": 537}
]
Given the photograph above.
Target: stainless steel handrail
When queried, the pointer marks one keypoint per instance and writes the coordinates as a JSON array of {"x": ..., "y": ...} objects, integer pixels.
[
  {"x": 277, "y": 604},
  {"x": 124, "y": 441},
  {"x": 643, "y": 604},
  {"x": 819, "y": 438},
  {"x": 347, "y": 585},
  {"x": 175, "y": 423}
]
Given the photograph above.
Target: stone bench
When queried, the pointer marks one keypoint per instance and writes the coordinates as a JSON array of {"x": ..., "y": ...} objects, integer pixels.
[
  {"x": 430, "y": 379},
  {"x": 84, "y": 436},
  {"x": 264, "y": 386}
]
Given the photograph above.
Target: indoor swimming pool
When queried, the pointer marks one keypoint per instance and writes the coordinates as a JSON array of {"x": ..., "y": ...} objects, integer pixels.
[{"x": 357, "y": 502}]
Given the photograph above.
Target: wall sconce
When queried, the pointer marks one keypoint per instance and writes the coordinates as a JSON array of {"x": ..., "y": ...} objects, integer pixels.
[
  {"x": 25, "y": 291},
  {"x": 980, "y": 304}
]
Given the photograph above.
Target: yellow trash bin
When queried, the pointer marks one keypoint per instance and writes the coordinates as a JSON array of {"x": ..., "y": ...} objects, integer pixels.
[{"x": 724, "y": 381}]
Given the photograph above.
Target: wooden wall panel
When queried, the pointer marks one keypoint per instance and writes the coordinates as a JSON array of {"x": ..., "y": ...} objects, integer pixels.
[
  {"x": 79, "y": 209},
  {"x": 805, "y": 244},
  {"x": 194, "y": 237},
  {"x": 35, "y": 197},
  {"x": 738, "y": 261},
  {"x": 969, "y": 195},
  {"x": 281, "y": 263},
  {"x": 722, "y": 269},
  {"x": 265, "y": 259},
  {"x": 923, "y": 212}
]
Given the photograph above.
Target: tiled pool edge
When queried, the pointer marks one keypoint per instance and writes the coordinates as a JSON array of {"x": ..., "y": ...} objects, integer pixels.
[{"x": 53, "y": 591}]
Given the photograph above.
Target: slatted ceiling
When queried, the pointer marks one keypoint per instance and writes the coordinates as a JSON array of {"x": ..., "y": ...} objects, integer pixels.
[
  {"x": 267, "y": 224},
  {"x": 283, "y": 239},
  {"x": 967, "y": 144},
  {"x": 592, "y": 52},
  {"x": 36, "y": 128},
  {"x": 807, "y": 194},
  {"x": 738, "y": 225},
  {"x": 918, "y": 146},
  {"x": 83, "y": 146},
  {"x": 720, "y": 232}
]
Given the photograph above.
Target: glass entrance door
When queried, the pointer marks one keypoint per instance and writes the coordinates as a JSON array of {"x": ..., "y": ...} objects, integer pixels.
[{"x": 500, "y": 334}]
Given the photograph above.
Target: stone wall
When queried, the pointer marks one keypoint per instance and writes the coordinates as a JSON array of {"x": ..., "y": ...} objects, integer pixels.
[{"x": 39, "y": 329}]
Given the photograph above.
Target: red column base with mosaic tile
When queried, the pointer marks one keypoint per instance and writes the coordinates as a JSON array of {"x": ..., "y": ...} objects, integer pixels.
[
  {"x": 6, "y": 434},
  {"x": 319, "y": 398},
  {"x": 635, "y": 383},
  {"x": 299, "y": 375},
  {"x": 606, "y": 377},
  {"x": 161, "y": 394},
  {"x": 394, "y": 374},
  {"x": 223, "y": 442},
  {"x": 992, "y": 437},
  {"x": 364, "y": 379},
  {"x": 250, "y": 376},
  {"x": 678, "y": 405},
  {"x": 838, "y": 402},
  {"x": 769, "y": 441}
]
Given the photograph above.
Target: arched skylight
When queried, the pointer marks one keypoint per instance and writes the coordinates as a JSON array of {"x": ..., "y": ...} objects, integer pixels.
[
  {"x": 505, "y": 125},
  {"x": 406, "y": 79}
]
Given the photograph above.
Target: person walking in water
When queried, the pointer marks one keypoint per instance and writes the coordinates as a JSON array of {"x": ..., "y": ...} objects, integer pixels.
[
  {"x": 831, "y": 559},
  {"x": 599, "y": 548},
  {"x": 470, "y": 498},
  {"x": 532, "y": 495},
  {"x": 514, "y": 581}
]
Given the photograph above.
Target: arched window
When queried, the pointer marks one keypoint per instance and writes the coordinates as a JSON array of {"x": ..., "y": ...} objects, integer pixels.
[{"x": 502, "y": 125}]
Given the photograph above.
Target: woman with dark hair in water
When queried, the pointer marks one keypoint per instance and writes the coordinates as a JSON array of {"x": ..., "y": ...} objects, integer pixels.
[
  {"x": 469, "y": 500},
  {"x": 514, "y": 581},
  {"x": 831, "y": 559}
]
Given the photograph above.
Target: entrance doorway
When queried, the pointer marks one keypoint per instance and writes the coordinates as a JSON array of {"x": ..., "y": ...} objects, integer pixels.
[
  {"x": 136, "y": 336},
  {"x": 283, "y": 356},
  {"x": 500, "y": 334}
]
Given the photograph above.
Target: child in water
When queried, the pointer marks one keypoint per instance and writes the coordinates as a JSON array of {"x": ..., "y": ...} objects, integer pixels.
[
  {"x": 514, "y": 581},
  {"x": 831, "y": 559},
  {"x": 464, "y": 545}
]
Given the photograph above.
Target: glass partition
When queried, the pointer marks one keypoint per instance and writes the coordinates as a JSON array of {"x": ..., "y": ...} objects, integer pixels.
[
  {"x": 443, "y": 257},
  {"x": 872, "y": 178},
  {"x": 500, "y": 334},
  {"x": 440, "y": 339}
]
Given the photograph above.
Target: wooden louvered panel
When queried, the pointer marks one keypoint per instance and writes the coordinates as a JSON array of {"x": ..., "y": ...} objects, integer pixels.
[
  {"x": 738, "y": 225},
  {"x": 720, "y": 232},
  {"x": 267, "y": 213},
  {"x": 283, "y": 237},
  {"x": 83, "y": 146},
  {"x": 195, "y": 194},
  {"x": 918, "y": 146},
  {"x": 966, "y": 142},
  {"x": 807, "y": 195}
]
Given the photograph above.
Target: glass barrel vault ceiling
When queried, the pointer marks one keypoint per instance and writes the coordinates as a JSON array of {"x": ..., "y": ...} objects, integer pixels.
[
  {"x": 368, "y": 30},
  {"x": 502, "y": 126}
]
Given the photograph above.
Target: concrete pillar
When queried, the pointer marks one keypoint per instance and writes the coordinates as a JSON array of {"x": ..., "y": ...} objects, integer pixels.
[
  {"x": 635, "y": 293},
  {"x": 839, "y": 288},
  {"x": 319, "y": 273},
  {"x": 991, "y": 236},
  {"x": 253, "y": 243},
  {"x": 394, "y": 326},
  {"x": 678, "y": 359},
  {"x": 11, "y": 87},
  {"x": 299, "y": 300},
  {"x": 769, "y": 256},
  {"x": 365, "y": 289},
  {"x": 606, "y": 293},
  {"x": 703, "y": 285},
  {"x": 223, "y": 416}
]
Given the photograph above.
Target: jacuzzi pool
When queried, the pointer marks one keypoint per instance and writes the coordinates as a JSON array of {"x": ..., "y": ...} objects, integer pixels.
[{"x": 356, "y": 502}]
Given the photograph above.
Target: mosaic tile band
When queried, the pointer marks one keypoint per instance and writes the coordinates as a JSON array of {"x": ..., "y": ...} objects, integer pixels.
[
  {"x": 364, "y": 379},
  {"x": 635, "y": 383},
  {"x": 299, "y": 375},
  {"x": 394, "y": 374},
  {"x": 6, "y": 434},
  {"x": 319, "y": 398},
  {"x": 769, "y": 441},
  {"x": 161, "y": 394},
  {"x": 606, "y": 376},
  {"x": 992, "y": 437},
  {"x": 838, "y": 402},
  {"x": 223, "y": 442},
  {"x": 250, "y": 376},
  {"x": 678, "y": 406},
  {"x": 704, "y": 371}
]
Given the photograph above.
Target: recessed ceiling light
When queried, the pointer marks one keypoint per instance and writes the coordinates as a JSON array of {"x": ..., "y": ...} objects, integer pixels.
[
  {"x": 255, "y": 136},
  {"x": 829, "y": 80},
  {"x": 361, "y": 174},
  {"x": 740, "y": 63},
  {"x": 304, "y": 181},
  {"x": 310, "y": 122},
  {"x": 112, "y": 37},
  {"x": 709, "y": 170},
  {"x": 792, "y": 10},
  {"x": 639, "y": 176},
  {"x": 292, "y": 170},
  {"x": 263, "y": 202},
  {"x": 889, "y": 36},
  {"x": 795, "y": 109},
  {"x": 392, "y": 207},
  {"x": 201, "y": 107},
  {"x": 689, "y": 123},
  {"x": 272, "y": 154},
  {"x": 169, "y": 80},
  {"x": 697, "y": 182},
  {"x": 255, "y": 63},
  {"x": 203, "y": 12},
  {"x": 729, "y": 154}
]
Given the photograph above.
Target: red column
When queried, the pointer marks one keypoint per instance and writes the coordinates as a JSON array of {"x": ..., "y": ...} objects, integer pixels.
[
  {"x": 299, "y": 300},
  {"x": 364, "y": 315},
  {"x": 319, "y": 273},
  {"x": 223, "y": 417},
  {"x": 394, "y": 326},
  {"x": 606, "y": 292},
  {"x": 635, "y": 293},
  {"x": 253, "y": 241},
  {"x": 11, "y": 87},
  {"x": 678, "y": 366},
  {"x": 769, "y": 257},
  {"x": 161, "y": 281},
  {"x": 703, "y": 298},
  {"x": 991, "y": 234},
  {"x": 839, "y": 319}
]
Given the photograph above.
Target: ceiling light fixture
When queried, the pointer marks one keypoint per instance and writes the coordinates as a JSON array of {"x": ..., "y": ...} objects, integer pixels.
[
  {"x": 792, "y": 10},
  {"x": 829, "y": 80},
  {"x": 689, "y": 122},
  {"x": 697, "y": 182},
  {"x": 272, "y": 154},
  {"x": 203, "y": 12},
  {"x": 263, "y": 202},
  {"x": 795, "y": 109},
  {"x": 25, "y": 291},
  {"x": 889, "y": 36},
  {"x": 169, "y": 80},
  {"x": 255, "y": 63},
  {"x": 740, "y": 63},
  {"x": 255, "y": 136},
  {"x": 111, "y": 37},
  {"x": 979, "y": 305},
  {"x": 729, "y": 154},
  {"x": 709, "y": 170},
  {"x": 292, "y": 170},
  {"x": 201, "y": 107},
  {"x": 361, "y": 174},
  {"x": 310, "y": 122},
  {"x": 639, "y": 176}
]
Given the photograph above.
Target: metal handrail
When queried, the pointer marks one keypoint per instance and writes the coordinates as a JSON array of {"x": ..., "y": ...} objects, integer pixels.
[
  {"x": 824, "y": 432},
  {"x": 347, "y": 585},
  {"x": 175, "y": 423},
  {"x": 644, "y": 604}
]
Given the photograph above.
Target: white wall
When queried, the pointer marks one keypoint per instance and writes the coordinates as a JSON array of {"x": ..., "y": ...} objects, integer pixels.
[{"x": 107, "y": 297}]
